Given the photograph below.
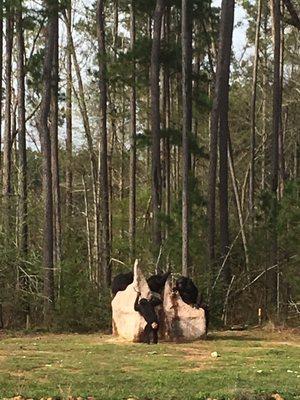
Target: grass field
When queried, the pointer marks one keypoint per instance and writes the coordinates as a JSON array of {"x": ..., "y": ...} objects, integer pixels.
[{"x": 252, "y": 364}]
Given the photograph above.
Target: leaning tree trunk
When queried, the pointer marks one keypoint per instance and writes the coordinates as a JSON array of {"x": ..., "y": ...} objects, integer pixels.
[
  {"x": 104, "y": 204},
  {"x": 155, "y": 124},
  {"x": 42, "y": 124},
  {"x": 132, "y": 166},
  {"x": 186, "y": 37}
]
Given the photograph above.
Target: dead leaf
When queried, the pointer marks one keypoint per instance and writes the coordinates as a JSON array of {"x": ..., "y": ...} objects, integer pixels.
[{"x": 277, "y": 396}]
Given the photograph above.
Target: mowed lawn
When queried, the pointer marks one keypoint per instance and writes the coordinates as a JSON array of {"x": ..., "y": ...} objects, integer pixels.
[{"x": 251, "y": 364}]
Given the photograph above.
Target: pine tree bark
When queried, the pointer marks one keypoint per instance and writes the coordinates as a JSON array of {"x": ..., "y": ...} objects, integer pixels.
[
  {"x": 7, "y": 147},
  {"x": 103, "y": 176},
  {"x": 264, "y": 111},
  {"x": 212, "y": 176},
  {"x": 132, "y": 166},
  {"x": 167, "y": 121},
  {"x": 54, "y": 153},
  {"x": 44, "y": 131},
  {"x": 284, "y": 116},
  {"x": 219, "y": 122},
  {"x": 155, "y": 124},
  {"x": 1, "y": 77},
  {"x": 22, "y": 175},
  {"x": 92, "y": 276},
  {"x": 253, "y": 113},
  {"x": 186, "y": 37},
  {"x": 276, "y": 119},
  {"x": 69, "y": 139}
]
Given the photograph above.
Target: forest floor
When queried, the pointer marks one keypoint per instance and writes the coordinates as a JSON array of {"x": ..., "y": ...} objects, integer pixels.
[{"x": 252, "y": 365}]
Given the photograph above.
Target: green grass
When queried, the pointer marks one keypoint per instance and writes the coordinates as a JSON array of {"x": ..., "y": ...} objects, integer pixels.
[{"x": 251, "y": 364}]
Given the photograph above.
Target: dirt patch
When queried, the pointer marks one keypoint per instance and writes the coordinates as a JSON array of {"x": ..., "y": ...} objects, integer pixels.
[
  {"x": 129, "y": 368},
  {"x": 198, "y": 357},
  {"x": 17, "y": 374}
]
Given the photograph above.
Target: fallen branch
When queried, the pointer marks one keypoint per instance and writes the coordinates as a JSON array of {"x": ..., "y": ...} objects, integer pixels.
[{"x": 258, "y": 276}]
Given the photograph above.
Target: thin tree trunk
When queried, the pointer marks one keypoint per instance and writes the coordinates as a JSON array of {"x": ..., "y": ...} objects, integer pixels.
[
  {"x": 54, "y": 156},
  {"x": 42, "y": 124},
  {"x": 212, "y": 177},
  {"x": 1, "y": 88},
  {"x": 238, "y": 202},
  {"x": 22, "y": 176},
  {"x": 88, "y": 134},
  {"x": 104, "y": 209},
  {"x": 155, "y": 125},
  {"x": 132, "y": 166},
  {"x": 224, "y": 56},
  {"x": 276, "y": 33},
  {"x": 281, "y": 161},
  {"x": 253, "y": 114},
  {"x": 88, "y": 232},
  {"x": 122, "y": 183},
  {"x": 69, "y": 139},
  {"x": 264, "y": 113},
  {"x": 116, "y": 26},
  {"x": 186, "y": 35},
  {"x": 167, "y": 102},
  {"x": 7, "y": 147}
]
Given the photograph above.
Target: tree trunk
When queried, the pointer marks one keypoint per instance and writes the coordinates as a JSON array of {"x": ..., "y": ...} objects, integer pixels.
[
  {"x": 69, "y": 140},
  {"x": 212, "y": 177},
  {"x": 276, "y": 31},
  {"x": 1, "y": 75},
  {"x": 238, "y": 202},
  {"x": 281, "y": 161},
  {"x": 88, "y": 134},
  {"x": 167, "y": 121},
  {"x": 116, "y": 26},
  {"x": 132, "y": 167},
  {"x": 104, "y": 209},
  {"x": 88, "y": 232},
  {"x": 7, "y": 148},
  {"x": 264, "y": 107},
  {"x": 253, "y": 114},
  {"x": 42, "y": 124},
  {"x": 186, "y": 36},
  {"x": 54, "y": 155},
  {"x": 155, "y": 125},
  {"x": 22, "y": 176},
  {"x": 222, "y": 100}
]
